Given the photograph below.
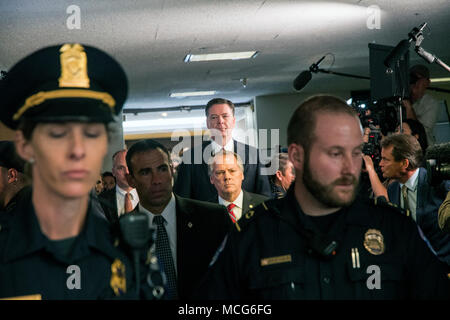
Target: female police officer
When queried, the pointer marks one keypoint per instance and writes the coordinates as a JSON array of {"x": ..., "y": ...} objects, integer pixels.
[{"x": 55, "y": 245}]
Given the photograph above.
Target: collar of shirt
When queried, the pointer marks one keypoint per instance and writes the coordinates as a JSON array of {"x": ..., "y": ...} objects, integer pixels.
[
  {"x": 122, "y": 192},
  {"x": 228, "y": 147},
  {"x": 26, "y": 236},
  {"x": 239, "y": 202},
  {"x": 412, "y": 182}
]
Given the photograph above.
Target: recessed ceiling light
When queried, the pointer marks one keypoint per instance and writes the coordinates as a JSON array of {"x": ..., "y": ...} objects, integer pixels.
[
  {"x": 191, "y": 94},
  {"x": 440, "y": 80},
  {"x": 221, "y": 56},
  {"x": 164, "y": 114}
]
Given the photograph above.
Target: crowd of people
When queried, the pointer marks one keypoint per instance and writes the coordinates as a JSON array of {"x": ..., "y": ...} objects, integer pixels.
[{"x": 222, "y": 229}]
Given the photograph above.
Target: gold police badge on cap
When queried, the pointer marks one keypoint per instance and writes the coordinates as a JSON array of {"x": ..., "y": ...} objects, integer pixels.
[
  {"x": 73, "y": 66},
  {"x": 118, "y": 280},
  {"x": 374, "y": 242}
]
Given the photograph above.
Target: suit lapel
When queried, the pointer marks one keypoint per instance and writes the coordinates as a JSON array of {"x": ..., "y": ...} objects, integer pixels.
[
  {"x": 246, "y": 201},
  {"x": 422, "y": 191},
  {"x": 185, "y": 226}
]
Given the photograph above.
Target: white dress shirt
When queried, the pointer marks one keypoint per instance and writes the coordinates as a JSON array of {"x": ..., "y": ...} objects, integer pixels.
[
  {"x": 411, "y": 184},
  {"x": 215, "y": 147},
  {"x": 239, "y": 202},
  {"x": 169, "y": 215},
  {"x": 120, "y": 198}
]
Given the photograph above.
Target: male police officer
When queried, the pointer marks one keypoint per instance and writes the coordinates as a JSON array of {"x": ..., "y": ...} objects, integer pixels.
[{"x": 319, "y": 242}]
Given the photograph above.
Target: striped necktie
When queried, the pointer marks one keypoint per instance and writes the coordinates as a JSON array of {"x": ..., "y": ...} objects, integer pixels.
[{"x": 230, "y": 212}]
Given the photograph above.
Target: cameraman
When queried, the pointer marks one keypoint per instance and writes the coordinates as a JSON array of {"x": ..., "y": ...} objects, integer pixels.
[{"x": 421, "y": 106}]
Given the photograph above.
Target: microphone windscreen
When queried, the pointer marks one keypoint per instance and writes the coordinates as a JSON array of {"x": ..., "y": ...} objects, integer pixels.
[{"x": 302, "y": 79}]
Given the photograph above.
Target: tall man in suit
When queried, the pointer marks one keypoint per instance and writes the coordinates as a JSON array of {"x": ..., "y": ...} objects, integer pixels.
[
  {"x": 188, "y": 231},
  {"x": 226, "y": 173},
  {"x": 401, "y": 157},
  {"x": 123, "y": 198},
  {"x": 193, "y": 180}
]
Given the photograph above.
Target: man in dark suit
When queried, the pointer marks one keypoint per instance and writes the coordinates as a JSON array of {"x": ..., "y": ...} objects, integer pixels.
[
  {"x": 188, "y": 231},
  {"x": 401, "y": 158},
  {"x": 226, "y": 173},
  {"x": 122, "y": 198},
  {"x": 193, "y": 180}
]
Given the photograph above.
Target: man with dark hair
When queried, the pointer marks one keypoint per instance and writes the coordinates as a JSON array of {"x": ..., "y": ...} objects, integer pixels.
[
  {"x": 226, "y": 173},
  {"x": 12, "y": 177},
  {"x": 188, "y": 232},
  {"x": 109, "y": 181},
  {"x": 193, "y": 180},
  {"x": 283, "y": 177},
  {"x": 320, "y": 241},
  {"x": 123, "y": 198},
  {"x": 401, "y": 157},
  {"x": 422, "y": 106}
]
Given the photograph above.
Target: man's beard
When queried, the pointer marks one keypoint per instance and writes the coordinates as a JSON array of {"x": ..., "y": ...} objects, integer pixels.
[{"x": 324, "y": 193}]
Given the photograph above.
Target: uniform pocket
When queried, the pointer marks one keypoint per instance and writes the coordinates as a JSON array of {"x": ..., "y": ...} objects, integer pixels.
[
  {"x": 278, "y": 284},
  {"x": 376, "y": 280}
]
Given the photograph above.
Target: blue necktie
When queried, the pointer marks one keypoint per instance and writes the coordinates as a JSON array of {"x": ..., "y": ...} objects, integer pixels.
[{"x": 164, "y": 255}]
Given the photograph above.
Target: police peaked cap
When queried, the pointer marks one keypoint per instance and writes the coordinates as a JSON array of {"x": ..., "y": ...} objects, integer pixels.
[{"x": 69, "y": 82}]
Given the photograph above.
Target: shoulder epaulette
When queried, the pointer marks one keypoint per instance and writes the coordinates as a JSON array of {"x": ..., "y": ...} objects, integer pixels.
[
  {"x": 389, "y": 205},
  {"x": 251, "y": 214}
]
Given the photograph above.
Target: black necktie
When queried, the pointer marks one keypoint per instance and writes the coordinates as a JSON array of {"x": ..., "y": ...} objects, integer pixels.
[{"x": 164, "y": 255}]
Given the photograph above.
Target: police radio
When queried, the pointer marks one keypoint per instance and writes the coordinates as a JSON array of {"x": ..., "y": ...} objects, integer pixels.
[
  {"x": 319, "y": 244},
  {"x": 137, "y": 234}
]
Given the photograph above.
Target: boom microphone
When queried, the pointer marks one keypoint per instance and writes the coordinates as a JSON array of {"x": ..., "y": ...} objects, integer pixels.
[{"x": 305, "y": 76}]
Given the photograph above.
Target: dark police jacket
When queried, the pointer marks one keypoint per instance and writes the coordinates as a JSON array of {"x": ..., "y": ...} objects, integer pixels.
[
  {"x": 31, "y": 266},
  {"x": 193, "y": 180},
  {"x": 379, "y": 256}
]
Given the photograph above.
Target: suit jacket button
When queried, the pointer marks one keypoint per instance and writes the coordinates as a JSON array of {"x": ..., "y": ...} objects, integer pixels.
[{"x": 189, "y": 224}]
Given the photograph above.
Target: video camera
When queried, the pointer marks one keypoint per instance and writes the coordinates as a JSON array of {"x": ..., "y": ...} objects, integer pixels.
[{"x": 438, "y": 163}]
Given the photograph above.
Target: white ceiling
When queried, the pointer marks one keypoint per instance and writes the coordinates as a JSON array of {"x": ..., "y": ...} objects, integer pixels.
[{"x": 150, "y": 38}]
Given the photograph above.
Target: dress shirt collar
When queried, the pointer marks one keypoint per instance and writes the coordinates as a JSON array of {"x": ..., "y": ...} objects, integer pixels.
[
  {"x": 238, "y": 202},
  {"x": 228, "y": 147},
  {"x": 122, "y": 192},
  {"x": 412, "y": 182},
  {"x": 168, "y": 213}
]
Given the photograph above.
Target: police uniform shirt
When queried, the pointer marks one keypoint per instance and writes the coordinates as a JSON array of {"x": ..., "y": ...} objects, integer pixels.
[
  {"x": 169, "y": 215},
  {"x": 88, "y": 266},
  {"x": 411, "y": 184},
  {"x": 120, "y": 198},
  {"x": 237, "y": 210}
]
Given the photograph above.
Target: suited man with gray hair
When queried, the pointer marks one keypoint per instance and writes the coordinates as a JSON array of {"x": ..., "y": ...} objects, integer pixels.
[{"x": 226, "y": 173}]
